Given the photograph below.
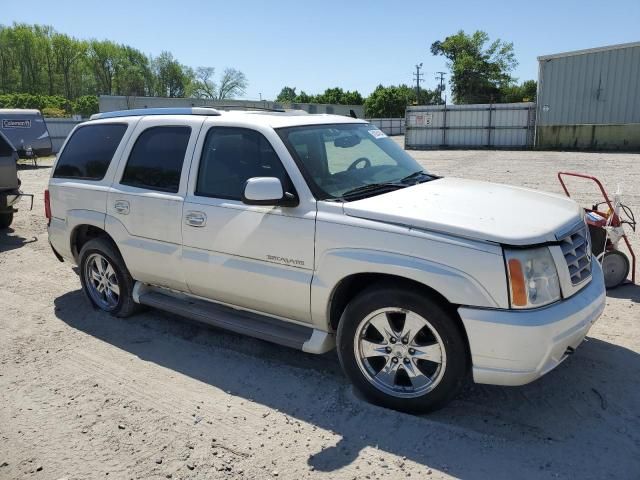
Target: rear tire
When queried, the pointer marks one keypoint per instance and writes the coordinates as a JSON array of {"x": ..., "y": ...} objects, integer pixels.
[
  {"x": 105, "y": 279},
  {"x": 402, "y": 350},
  {"x": 6, "y": 219}
]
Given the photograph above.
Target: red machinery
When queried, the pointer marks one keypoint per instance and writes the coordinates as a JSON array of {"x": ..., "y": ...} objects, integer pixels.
[{"x": 607, "y": 229}]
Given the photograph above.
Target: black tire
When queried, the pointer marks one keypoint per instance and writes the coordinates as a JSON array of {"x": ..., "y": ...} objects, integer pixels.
[
  {"x": 447, "y": 327},
  {"x": 615, "y": 266},
  {"x": 125, "y": 305},
  {"x": 6, "y": 219}
]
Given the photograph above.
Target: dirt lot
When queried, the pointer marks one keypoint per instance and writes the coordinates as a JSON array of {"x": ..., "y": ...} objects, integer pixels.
[{"x": 83, "y": 395}]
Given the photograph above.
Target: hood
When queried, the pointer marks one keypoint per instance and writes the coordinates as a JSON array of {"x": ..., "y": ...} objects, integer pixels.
[{"x": 473, "y": 209}]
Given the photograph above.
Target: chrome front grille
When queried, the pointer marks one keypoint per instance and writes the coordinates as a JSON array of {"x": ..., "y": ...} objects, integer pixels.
[{"x": 576, "y": 249}]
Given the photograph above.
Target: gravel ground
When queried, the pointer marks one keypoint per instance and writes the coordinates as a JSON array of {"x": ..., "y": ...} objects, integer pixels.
[{"x": 84, "y": 395}]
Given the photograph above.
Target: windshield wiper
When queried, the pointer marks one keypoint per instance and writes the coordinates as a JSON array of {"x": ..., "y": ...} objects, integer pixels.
[
  {"x": 383, "y": 186},
  {"x": 418, "y": 174},
  {"x": 372, "y": 187}
]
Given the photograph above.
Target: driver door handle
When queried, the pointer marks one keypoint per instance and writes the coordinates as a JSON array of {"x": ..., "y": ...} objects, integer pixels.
[{"x": 196, "y": 219}]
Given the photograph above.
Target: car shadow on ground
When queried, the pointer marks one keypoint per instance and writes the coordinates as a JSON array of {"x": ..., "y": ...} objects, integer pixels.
[
  {"x": 10, "y": 240},
  {"x": 29, "y": 165},
  {"x": 543, "y": 428},
  {"x": 629, "y": 291}
]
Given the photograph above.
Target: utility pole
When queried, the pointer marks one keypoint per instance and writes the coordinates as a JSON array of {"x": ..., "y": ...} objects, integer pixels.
[
  {"x": 418, "y": 78},
  {"x": 440, "y": 75}
]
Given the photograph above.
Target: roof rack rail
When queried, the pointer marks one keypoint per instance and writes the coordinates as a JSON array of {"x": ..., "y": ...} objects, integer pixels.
[
  {"x": 136, "y": 112},
  {"x": 248, "y": 107}
]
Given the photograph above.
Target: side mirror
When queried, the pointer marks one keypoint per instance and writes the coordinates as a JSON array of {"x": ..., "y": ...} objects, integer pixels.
[{"x": 267, "y": 191}]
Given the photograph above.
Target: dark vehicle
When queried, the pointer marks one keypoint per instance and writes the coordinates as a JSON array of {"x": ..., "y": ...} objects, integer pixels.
[
  {"x": 9, "y": 182},
  {"x": 27, "y": 131}
]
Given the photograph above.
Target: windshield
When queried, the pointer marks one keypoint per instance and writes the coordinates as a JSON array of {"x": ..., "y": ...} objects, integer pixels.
[{"x": 342, "y": 158}]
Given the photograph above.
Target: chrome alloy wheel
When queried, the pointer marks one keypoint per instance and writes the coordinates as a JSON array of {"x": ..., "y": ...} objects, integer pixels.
[
  {"x": 400, "y": 352},
  {"x": 102, "y": 282}
]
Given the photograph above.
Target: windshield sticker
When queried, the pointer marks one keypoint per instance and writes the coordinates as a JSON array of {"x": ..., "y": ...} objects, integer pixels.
[{"x": 377, "y": 134}]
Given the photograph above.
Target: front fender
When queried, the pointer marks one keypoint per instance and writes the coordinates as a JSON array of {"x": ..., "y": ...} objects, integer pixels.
[{"x": 456, "y": 286}]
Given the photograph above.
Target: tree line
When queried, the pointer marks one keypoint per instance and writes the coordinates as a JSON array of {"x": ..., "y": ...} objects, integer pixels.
[
  {"x": 45, "y": 67},
  {"x": 59, "y": 74}
]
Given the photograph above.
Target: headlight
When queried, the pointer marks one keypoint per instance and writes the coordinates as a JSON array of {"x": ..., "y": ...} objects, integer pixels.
[{"x": 533, "y": 278}]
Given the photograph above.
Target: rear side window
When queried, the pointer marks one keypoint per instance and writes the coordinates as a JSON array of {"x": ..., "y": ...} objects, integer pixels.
[
  {"x": 89, "y": 151},
  {"x": 155, "y": 162}
]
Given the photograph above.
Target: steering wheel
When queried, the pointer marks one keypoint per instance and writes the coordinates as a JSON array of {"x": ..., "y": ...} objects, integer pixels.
[{"x": 354, "y": 165}]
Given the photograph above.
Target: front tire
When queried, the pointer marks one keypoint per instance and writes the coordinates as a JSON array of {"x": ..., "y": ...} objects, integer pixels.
[
  {"x": 402, "y": 350},
  {"x": 6, "y": 219},
  {"x": 105, "y": 279}
]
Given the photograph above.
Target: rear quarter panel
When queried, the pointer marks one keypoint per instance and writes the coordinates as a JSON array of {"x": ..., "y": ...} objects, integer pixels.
[{"x": 77, "y": 201}]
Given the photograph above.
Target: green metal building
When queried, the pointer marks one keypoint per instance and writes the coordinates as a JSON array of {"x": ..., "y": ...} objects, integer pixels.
[{"x": 590, "y": 99}]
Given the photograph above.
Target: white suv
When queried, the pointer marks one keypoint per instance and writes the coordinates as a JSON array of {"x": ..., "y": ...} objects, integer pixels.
[{"x": 313, "y": 231}]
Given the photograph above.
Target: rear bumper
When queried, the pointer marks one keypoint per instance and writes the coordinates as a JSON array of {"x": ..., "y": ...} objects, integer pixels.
[{"x": 515, "y": 347}]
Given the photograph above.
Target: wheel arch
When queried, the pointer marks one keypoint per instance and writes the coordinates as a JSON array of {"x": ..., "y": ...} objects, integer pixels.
[
  {"x": 354, "y": 284},
  {"x": 84, "y": 232}
]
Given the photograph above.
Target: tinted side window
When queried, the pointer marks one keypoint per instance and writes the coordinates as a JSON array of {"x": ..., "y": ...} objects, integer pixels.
[
  {"x": 230, "y": 157},
  {"x": 89, "y": 151},
  {"x": 155, "y": 162}
]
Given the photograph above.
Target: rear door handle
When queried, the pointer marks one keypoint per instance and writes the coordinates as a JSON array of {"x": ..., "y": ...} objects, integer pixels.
[
  {"x": 196, "y": 219},
  {"x": 122, "y": 207}
]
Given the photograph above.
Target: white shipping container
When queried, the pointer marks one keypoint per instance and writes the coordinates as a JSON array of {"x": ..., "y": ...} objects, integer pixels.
[{"x": 506, "y": 125}]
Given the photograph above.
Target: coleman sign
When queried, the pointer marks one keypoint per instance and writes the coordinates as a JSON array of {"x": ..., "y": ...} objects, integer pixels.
[{"x": 16, "y": 123}]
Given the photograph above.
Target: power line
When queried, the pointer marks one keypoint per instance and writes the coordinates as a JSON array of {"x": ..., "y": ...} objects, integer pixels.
[
  {"x": 418, "y": 78},
  {"x": 440, "y": 75}
]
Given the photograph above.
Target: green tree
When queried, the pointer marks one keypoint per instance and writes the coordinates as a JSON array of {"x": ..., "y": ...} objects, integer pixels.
[
  {"x": 8, "y": 77},
  {"x": 134, "y": 75},
  {"x": 45, "y": 36},
  {"x": 24, "y": 43},
  {"x": 478, "y": 71},
  {"x": 391, "y": 101},
  {"x": 338, "y": 96},
  {"x": 67, "y": 52},
  {"x": 86, "y": 105},
  {"x": 37, "y": 60},
  {"x": 171, "y": 78},
  {"x": 525, "y": 92},
  {"x": 304, "y": 97},
  {"x": 103, "y": 57},
  {"x": 287, "y": 95}
]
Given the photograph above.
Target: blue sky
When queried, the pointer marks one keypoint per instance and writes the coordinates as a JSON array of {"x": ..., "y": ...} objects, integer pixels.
[{"x": 313, "y": 45}]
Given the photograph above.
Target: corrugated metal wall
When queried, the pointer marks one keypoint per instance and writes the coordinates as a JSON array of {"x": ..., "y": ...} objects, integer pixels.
[
  {"x": 109, "y": 103},
  {"x": 507, "y": 125},
  {"x": 59, "y": 129},
  {"x": 390, "y": 126},
  {"x": 598, "y": 86}
]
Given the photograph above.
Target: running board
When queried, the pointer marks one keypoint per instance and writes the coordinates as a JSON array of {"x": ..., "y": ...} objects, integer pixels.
[{"x": 238, "y": 321}]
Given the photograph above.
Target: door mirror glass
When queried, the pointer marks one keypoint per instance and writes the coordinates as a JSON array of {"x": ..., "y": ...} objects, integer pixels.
[{"x": 264, "y": 191}]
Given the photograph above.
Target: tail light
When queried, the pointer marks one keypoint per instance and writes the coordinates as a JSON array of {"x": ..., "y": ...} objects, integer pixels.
[{"x": 47, "y": 205}]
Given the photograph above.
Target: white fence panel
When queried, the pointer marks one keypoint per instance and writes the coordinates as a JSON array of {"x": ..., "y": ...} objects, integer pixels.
[
  {"x": 506, "y": 125},
  {"x": 59, "y": 130},
  {"x": 390, "y": 126}
]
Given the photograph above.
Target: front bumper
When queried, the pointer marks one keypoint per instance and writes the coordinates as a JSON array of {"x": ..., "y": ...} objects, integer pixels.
[{"x": 515, "y": 347}]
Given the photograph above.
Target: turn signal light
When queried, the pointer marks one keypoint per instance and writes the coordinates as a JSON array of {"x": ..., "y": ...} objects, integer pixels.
[{"x": 518, "y": 287}]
